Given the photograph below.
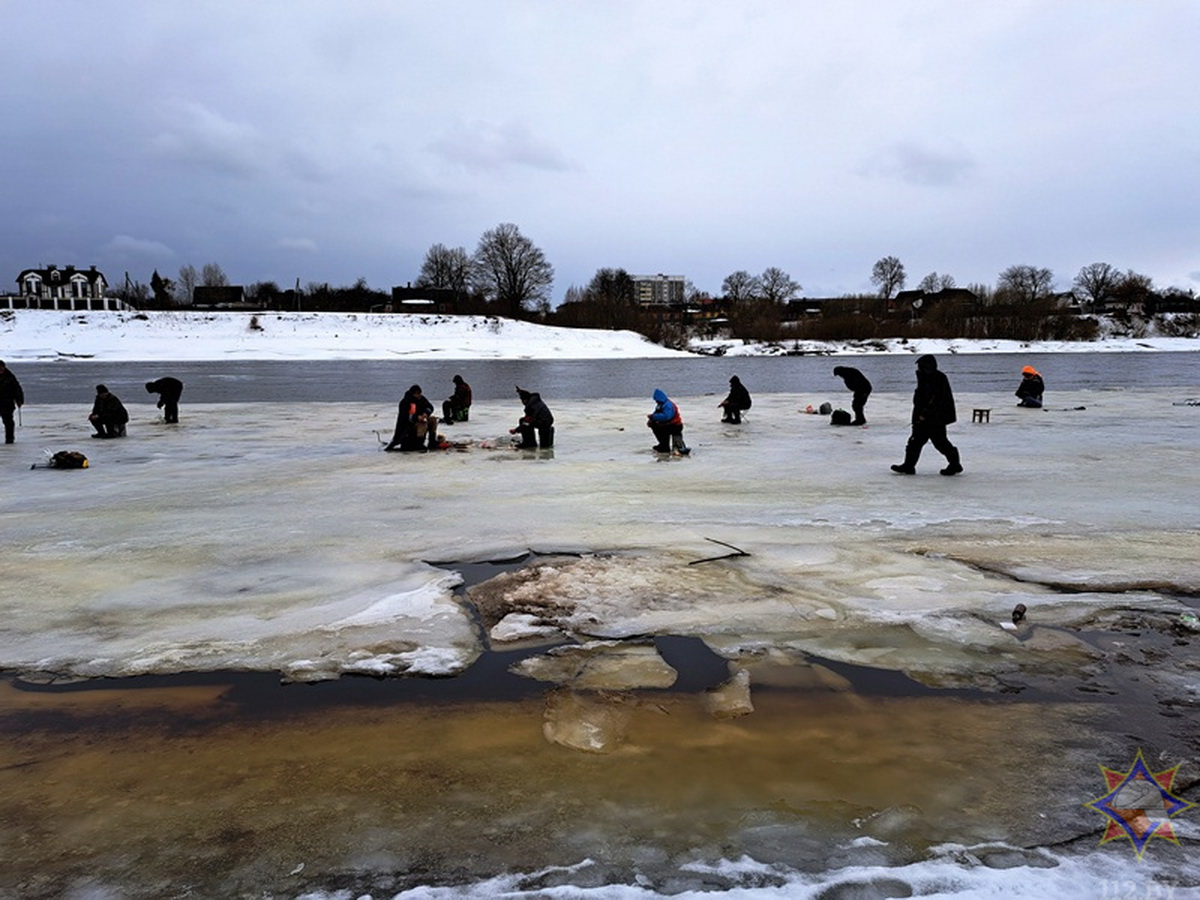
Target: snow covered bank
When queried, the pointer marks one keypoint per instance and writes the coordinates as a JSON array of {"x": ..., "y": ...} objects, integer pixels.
[
  {"x": 48, "y": 335},
  {"x": 31, "y": 335}
]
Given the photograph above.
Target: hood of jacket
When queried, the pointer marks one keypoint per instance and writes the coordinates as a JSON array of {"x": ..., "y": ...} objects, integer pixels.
[
  {"x": 660, "y": 396},
  {"x": 927, "y": 363}
]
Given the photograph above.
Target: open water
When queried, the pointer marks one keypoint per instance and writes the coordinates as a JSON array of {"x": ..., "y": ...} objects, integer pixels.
[{"x": 259, "y": 381}]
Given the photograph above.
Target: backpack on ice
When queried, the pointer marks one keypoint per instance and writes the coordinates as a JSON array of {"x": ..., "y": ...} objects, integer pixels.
[
  {"x": 68, "y": 459},
  {"x": 839, "y": 417}
]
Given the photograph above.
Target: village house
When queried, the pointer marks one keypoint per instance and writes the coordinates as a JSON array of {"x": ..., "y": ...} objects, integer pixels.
[{"x": 67, "y": 288}]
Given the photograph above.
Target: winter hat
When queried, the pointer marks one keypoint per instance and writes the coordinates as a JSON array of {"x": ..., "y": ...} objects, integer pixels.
[
  {"x": 457, "y": 379},
  {"x": 101, "y": 389},
  {"x": 1029, "y": 370},
  {"x": 927, "y": 363},
  {"x": 524, "y": 395}
]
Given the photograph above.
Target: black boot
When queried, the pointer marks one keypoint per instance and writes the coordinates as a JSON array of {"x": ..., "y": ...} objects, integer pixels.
[{"x": 954, "y": 466}]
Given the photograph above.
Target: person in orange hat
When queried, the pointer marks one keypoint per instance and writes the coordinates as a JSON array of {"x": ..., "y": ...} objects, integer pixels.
[{"x": 1029, "y": 391}]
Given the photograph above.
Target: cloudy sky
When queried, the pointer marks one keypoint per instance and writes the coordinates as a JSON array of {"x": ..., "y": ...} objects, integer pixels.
[{"x": 326, "y": 141}]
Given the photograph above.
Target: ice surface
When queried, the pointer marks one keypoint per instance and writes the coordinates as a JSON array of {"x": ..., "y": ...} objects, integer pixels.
[{"x": 279, "y": 537}]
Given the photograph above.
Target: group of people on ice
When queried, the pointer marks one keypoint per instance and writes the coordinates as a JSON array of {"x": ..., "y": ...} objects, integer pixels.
[
  {"x": 108, "y": 416},
  {"x": 416, "y": 424},
  {"x": 933, "y": 411}
]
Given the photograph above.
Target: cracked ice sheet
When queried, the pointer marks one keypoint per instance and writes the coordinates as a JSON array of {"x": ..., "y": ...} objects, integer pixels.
[{"x": 278, "y": 537}]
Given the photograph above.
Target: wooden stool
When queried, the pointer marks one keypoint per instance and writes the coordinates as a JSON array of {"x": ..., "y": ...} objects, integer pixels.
[{"x": 981, "y": 415}]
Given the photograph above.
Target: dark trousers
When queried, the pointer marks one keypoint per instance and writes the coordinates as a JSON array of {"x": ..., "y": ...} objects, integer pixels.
[
  {"x": 858, "y": 404},
  {"x": 109, "y": 428},
  {"x": 170, "y": 407},
  {"x": 544, "y": 435},
  {"x": 665, "y": 433},
  {"x": 9, "y": 425},
  {"x": 452, "y": 413},
  {"x": 929, "y": 433}
]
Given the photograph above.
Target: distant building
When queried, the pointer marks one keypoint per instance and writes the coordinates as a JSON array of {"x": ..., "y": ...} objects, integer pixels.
[
  {"x": 224, "y": 296},
  {"x": 658, "y": 290},
  {"x": 67, "y": 288},
  {"x": 411, "y": 299}
]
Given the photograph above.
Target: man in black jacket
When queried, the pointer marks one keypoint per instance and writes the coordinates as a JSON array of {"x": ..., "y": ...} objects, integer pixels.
[
  {"x": 933, "y": 410},
  {"x": 736, "y": 403},
  {"x": 855, "y": 381},
  {"x": 169, "y": 390},
  {"x": 109, "y": 415},
  {"x": 537, "y": 423},
  {"x": 416, "y": 426},
  {"x": 11, "y": 397}
]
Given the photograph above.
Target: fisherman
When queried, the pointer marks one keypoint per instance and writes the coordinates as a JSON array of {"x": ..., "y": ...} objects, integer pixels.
[
  {"x": 1029, "y": 391},
  {"x": 666, "y": 421},
  {"x": 857, "y": 382},
  {"x": 536, "y": 423},
  {"x": 11, "y": 398},
  {"x": 109, "y": 415},
  {"x": 458, "y": 407},
  {"x": 168, "y": 389},
  {"x": 416, "y": 425},
  {"x": 736, "y": 403},
  {"x": 933, "y": 410}
]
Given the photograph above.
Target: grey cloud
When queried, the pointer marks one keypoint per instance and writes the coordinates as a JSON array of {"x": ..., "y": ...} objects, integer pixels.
[
  {"x": 299, "y": 244},
  {"x": 486, "y": 147},
  {"x": 923, "y": 164},
  {"x": 123, "y": 245},
  {"x": 201, "y": 137}
]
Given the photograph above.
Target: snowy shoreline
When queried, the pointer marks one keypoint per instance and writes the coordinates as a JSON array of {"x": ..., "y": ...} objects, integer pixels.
[{"x": 47, "y": 335}]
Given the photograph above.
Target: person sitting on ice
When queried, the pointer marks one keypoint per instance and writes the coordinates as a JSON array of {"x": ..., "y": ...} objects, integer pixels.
[
  {"x": 736, "y": 403},
  {"x": 536, "y": 424},
  {"x": 109, "y": 415},
  {"x": 458, "y": 407},
  {"x": 415, "y": 423},
  {"x": 1029, "y": 391},
  {"x": 666, "y": 421}
]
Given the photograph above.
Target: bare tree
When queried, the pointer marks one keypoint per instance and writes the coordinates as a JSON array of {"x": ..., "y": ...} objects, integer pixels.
[
  {"x": 1025, "y": 284},
  {"x": 741, "y": 287},
  {"x": 1098, "y": 282},
  {"x": 776, "y": 286},
  {"x": 188, "y": 279},
  {"x": 933, "y": 282},
  {"x": 445, "y": 268},
  {"x": 212, "y": 275},
  {"x": 509, "y": 269},
  {"x": 888, "y": 275}
]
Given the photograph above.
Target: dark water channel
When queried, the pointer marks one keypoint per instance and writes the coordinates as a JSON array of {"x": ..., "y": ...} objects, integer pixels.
[{"x": 331, "y": 381}]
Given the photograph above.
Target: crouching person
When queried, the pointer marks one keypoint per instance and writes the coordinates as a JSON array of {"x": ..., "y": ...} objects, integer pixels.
[
  {"x": 536, "y": 425},
  {"x": 109, "y": 415},
  {"x": 416, "y": 425},
  {"x": 666, "y": 421}
]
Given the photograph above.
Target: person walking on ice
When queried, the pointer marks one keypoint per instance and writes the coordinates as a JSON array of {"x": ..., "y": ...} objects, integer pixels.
[
  {"x": 11, "y": 398},
  {"x": 933, "y": 410},
  {"x": 666, "y": 421}
]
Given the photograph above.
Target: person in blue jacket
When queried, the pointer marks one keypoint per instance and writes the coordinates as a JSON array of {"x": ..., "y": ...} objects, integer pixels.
[{"x": 666, "y": 421}]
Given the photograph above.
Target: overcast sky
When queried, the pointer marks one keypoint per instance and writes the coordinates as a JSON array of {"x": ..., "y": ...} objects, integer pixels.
[{"x": 327, "y": 141}]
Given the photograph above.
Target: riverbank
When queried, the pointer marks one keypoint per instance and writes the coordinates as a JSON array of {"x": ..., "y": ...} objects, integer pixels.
[{"x": 46, "y": 335}]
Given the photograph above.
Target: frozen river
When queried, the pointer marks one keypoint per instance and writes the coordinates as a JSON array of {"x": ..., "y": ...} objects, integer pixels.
[{"x": 874, "y": 721}]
